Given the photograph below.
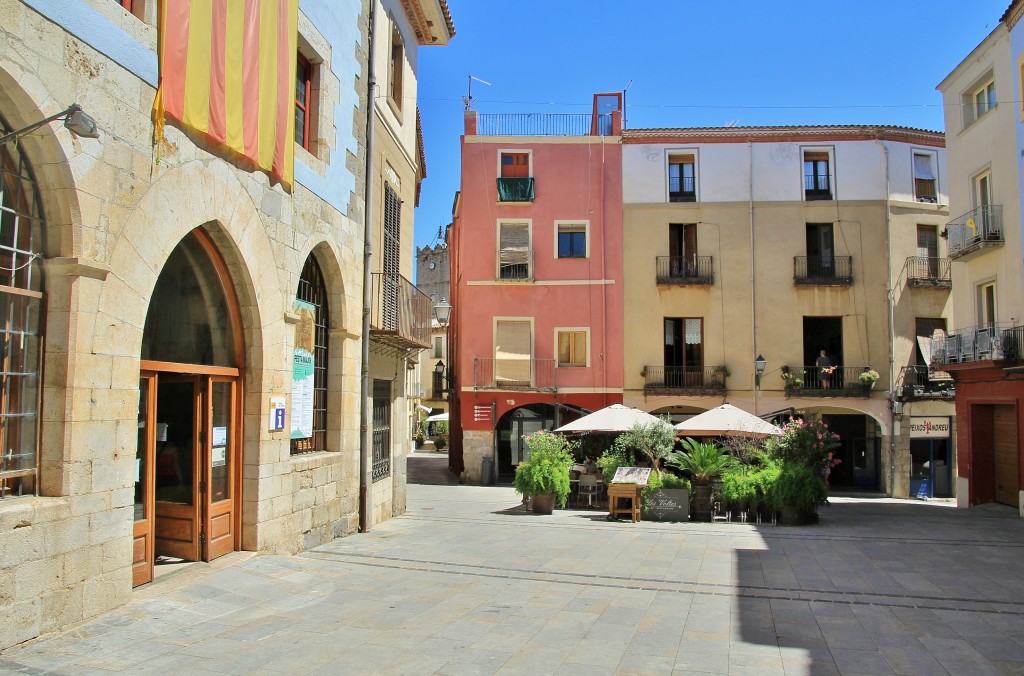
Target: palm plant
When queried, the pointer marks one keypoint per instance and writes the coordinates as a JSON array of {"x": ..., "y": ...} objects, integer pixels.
[{"x": 703, "y": 461}]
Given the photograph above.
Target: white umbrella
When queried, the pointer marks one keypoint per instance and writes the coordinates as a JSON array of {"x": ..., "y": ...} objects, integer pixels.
[
  {"x": 437, "y": 418},
  {"x": 614, "y": 418},
  {"x": 727, "y": 420}
]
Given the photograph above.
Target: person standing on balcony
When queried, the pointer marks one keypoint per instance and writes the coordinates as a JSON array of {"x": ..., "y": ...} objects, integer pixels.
[{"x": 824, "y": 366}]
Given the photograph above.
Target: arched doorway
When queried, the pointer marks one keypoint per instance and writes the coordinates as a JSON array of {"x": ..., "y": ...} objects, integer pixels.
[
  {"x": 187, "y": 468},
  {"x": 512, "y": 427}
]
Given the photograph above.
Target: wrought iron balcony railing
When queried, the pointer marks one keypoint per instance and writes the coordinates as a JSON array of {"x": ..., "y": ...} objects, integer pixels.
[
  {"x": 827, "y": 270},
  {"x": 682, "y": 189},
  {"x": 515, "y": 190},
  {"x": 836, "y": 381},
  {"x": 400, "y": 314},
  {"x": 685, "y": 270},
  {"x": 977, "y": 229},
  {"x": 817, "y": 187},
  {"x": 926, "y": 271},
  {"x": 988, "y": 342},
  {"x": 515, "y": 266},
  {"x": 491, "y": 373},
  {"x": 685, "y": 379},
  {"x": 916, "y": 382}
]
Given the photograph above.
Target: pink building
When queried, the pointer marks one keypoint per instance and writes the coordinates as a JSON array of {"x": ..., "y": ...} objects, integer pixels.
[{"x": 536, "y": 266}]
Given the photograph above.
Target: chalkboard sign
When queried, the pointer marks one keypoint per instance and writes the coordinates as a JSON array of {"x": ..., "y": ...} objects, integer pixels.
[
  {"x": 632, "y": 475},
  {"x": 668, "y": 505}
]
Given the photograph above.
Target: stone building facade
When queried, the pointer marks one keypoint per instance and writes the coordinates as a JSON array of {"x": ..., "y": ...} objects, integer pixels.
[{"x": 170, "y": 289}]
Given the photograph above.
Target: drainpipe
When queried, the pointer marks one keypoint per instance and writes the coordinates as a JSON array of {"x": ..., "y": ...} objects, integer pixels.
[
  {"x": 364, "y": 383},
  {"x": 753, "y": 275},
  {"x": 890, "y": 292}
]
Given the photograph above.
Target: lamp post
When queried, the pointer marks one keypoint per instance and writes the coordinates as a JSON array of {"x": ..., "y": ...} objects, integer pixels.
[
  {"x": 759, "y": 365},
  {"x": 443, "y": 312},
  {"x": 77, "y": 121}
]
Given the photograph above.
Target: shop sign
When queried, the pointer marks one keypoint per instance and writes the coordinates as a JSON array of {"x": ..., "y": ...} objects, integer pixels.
[{"x": 929, "y": 428}]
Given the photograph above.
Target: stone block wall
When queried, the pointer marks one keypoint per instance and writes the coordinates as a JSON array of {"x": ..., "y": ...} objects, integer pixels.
[{"x": 115, "y": 209}]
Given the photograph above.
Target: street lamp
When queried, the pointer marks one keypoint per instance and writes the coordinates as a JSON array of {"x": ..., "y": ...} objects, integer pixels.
[
  {"x": 759, "y": 365},
  {"x": 77, "y": 121},
  {"x": 443, "y": 312}
]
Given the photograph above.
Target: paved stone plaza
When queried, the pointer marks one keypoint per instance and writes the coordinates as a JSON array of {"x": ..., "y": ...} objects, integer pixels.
[{"x": 468, "y": 583}]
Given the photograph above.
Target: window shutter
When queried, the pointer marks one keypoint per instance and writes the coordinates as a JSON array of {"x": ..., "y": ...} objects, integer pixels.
[
  {"x": 515, "y": 244},
  {"x": 512, "y": 352}
]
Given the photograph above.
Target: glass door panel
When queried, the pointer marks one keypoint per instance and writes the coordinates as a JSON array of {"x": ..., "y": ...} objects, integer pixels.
[
  {"x": 221, "y": 460},
  {"x": 142, "y": 530},
  {"x": 176, "y": 483}
]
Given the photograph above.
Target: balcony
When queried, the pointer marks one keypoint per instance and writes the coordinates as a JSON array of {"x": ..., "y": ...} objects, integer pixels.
[
  {"x": 809, "y": 381},
  {"x": 817, "y": 187},
  {"x": 544, "y": 124},
  {"x": 916, "y": 383},
  {"x": 685, "y": 270},
  {"x": 681, "y": 189},
  {"x": 990, "y": 342},
  {"x": 515, "y": 265},
  {"x": 515, "y": 190},
  {"x": 685, "y": 380},
  {"x": 975, "y": 231},
  {"x": 514, "y": 374},
  {"x": 823, "y": 270},
  {"x": 923, "y": 271},
  {"x": 400, "y": 314}
]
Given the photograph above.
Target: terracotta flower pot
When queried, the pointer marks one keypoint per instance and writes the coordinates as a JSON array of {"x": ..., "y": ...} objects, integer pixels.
[{"x": 543, "y": 504}]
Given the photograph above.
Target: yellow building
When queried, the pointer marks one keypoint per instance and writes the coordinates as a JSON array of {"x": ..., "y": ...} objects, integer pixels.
[{"x": 786, "y": 243}]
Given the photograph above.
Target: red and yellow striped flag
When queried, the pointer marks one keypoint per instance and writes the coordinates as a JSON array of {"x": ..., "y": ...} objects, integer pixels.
[{"x": 227, "y": 70}]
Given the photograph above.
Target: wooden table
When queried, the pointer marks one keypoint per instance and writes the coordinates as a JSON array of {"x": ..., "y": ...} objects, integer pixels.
[{"x": 628, "y": 494}]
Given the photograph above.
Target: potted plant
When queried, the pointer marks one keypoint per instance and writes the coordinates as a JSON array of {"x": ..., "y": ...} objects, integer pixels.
[
  {"x": 544, "y": 475},
  {"x": 704, "y": 462},
  {"x": 792, "y": 379},
  {"x": 441, "y": 434},
  {"x": 868, "y": 378},
  {"x": 798, "y": 491}
]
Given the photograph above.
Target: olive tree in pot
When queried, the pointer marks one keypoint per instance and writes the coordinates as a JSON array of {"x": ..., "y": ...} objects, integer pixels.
[
  {"x": 703, "y": 462},
  {"x": 544, "y": 475}
]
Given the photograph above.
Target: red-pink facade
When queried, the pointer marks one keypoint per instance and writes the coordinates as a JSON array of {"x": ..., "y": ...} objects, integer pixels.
[{"x": 576, "y": 185}]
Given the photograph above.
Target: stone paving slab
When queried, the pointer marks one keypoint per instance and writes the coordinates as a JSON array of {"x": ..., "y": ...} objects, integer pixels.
[{"x": 469, "y": 583}]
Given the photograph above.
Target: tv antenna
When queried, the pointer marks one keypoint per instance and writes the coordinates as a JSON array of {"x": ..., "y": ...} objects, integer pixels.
[{"x": 468, "y": 98}]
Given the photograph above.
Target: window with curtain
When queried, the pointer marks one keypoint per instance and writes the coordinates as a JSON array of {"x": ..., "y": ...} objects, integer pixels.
[
  {"x": 514, "y": 251},
  {"x": 817, "y": 183},
  {"x": 924, "y": 178},
  {"x": 572, "y": 348},
  {"x": 21, "y": 308},
  {"x": 682, "y": 186}
]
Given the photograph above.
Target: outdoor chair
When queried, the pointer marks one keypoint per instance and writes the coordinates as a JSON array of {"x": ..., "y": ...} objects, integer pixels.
[{"x": 589, "y": 487}]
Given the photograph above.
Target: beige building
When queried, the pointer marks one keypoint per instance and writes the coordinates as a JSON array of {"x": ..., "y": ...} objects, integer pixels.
[
  {"x": 185, "y": 369},
  {"x": 984, "y": 349},
  {"x": 781, "y": 243}
]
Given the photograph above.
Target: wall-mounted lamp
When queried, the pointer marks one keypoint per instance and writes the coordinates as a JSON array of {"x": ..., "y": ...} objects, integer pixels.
[
  {"x": 443, "y": 312},
  {"x": 77, "y": 121},
  {"x": 759, "y": 366},
  {"x": 442, "y": 380}
]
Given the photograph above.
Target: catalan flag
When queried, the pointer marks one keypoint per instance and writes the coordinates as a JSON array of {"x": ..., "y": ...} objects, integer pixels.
[{"x": 227, "y": 70}]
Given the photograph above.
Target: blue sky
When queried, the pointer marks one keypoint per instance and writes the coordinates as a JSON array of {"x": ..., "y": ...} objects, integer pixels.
[{"x": 691, "y": 63}]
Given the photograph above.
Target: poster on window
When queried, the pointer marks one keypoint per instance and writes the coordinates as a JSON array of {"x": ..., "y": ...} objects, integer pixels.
[{"x": 302, "y": 372}]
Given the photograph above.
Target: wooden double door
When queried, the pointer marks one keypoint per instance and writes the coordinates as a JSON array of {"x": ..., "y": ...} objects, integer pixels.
[{"x": 187, "y": 490}]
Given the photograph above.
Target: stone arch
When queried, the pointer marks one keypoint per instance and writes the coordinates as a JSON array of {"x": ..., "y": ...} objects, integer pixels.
[{"x": 24, "y": 99}]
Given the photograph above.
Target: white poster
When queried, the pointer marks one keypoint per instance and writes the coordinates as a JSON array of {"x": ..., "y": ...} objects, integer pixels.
[{"x": 302, "y": 395}]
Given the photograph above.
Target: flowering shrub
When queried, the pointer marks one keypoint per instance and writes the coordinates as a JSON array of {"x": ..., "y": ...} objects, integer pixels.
[
  {"x": 804, "y": 442},
  {"x": 793, "y": 378},
  {"x": 869, "y": 377},
  {"x": 546, "y": 469}
]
